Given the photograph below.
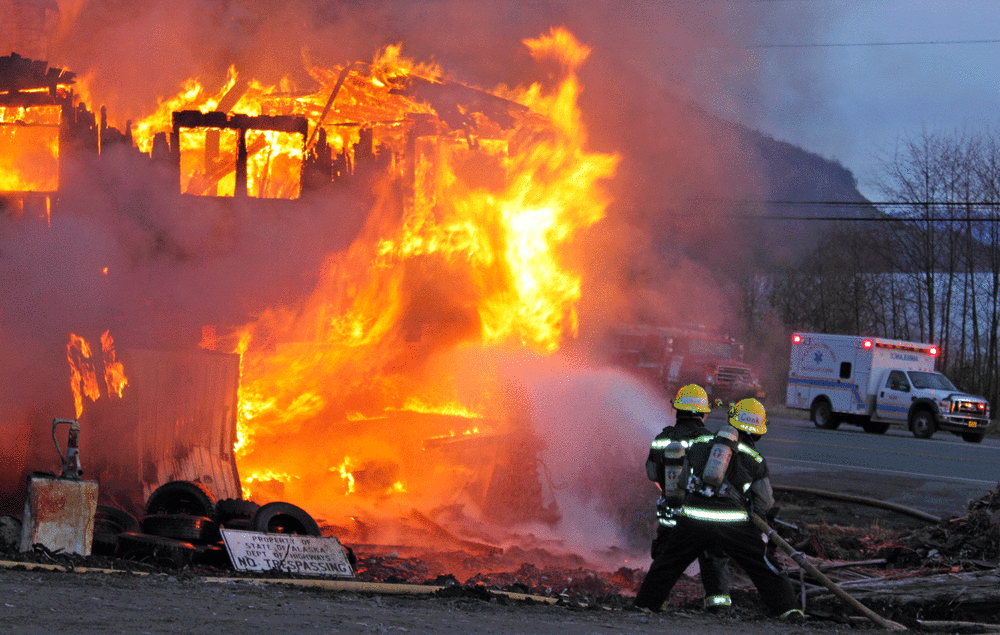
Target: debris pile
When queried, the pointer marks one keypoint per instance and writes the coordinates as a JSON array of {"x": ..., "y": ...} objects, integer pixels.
[
  {"x": 534, "y": 572},
  {"x": 940, "y": 571},
  {"x": 972, "y": 539}
]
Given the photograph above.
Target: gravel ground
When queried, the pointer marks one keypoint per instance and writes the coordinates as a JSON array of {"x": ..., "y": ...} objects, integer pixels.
[
  {"x": 158, "y": 600},
  {"x": 45, "y": 602}
]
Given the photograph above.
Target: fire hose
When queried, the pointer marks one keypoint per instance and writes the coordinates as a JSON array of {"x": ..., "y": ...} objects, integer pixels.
[
  {"x": 799, "y": 558},
  {"x": 850, "y": 498}
]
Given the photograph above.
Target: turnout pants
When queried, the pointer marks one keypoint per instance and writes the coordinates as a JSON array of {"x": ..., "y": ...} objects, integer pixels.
[
  {"x": 740, "y": 540},
  {"x": 713, "y": 564}
]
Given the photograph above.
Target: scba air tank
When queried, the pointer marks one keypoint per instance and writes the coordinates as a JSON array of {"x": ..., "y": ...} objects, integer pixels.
[
  {"x": 673, "y": 466},
  {"x": 718, "y": 457}
]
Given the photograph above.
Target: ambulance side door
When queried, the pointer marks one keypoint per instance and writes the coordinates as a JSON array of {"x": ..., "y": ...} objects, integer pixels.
[
  {"x": 892, "y": 402},
  {"x": 859, "y": 377}
]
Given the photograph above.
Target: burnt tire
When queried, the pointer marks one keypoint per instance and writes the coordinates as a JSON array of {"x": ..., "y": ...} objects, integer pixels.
[
  {"x": 104, "y": 544},
  {"x": 214, "y": 556},
  {"x": 922, "y": 425},
  {"x": 235, "y": 513},
  {"x": 285, "y": 518},
  {"x": 155, "y": 550},
  {"x": 973, "y": 437},
  {"x": 114, "y": 521},
  {"x": 823, "y": 416},
  {"x": 241, "y": 524},
  {"x": 109, "y": 523},
  {"x": 181, "y": 497},
  {"x": 198, "y": 530}
]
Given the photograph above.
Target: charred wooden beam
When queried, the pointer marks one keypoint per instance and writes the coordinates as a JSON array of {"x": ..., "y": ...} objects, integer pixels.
[
  {"x": 194, "y": 119},
  {"x": 274, "y": 123},
  {"x": 454, "y": 103},
  {"x": 20, "y": 74},
  {"x": 949, "y": 588},
  {"x": 232, "y": 96}
]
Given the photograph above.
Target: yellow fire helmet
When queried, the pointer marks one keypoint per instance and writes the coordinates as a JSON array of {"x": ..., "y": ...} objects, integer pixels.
[
  {"x": 748, "y": 415},
  {"x": 692, "y": 398}
]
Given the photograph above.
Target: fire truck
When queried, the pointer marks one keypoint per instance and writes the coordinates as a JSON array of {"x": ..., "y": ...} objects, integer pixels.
[
  {"x": 874, "y": 382},
  {"x": 670, "y": 357}
]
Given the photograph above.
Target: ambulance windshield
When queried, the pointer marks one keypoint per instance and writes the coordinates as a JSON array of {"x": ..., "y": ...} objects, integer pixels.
[{"x": 931, "y": 381}]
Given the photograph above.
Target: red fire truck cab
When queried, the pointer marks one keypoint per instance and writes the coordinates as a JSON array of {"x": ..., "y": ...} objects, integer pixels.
[{"x": 672, "y": 357}]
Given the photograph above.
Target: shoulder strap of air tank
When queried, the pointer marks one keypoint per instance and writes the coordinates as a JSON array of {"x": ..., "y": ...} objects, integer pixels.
[
  {"x": 733, "y": 445},
  {"x": 746, "y": 449}
]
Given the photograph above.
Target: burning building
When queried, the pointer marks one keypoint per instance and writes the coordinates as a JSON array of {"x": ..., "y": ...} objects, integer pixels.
[
  {"x": 391, "y": 383},
  {"x": 357, "y": 282}
]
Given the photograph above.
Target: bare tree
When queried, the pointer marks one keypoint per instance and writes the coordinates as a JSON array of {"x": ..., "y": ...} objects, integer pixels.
[
  {"x": 987, "y": 240},
  {"x": 913, "y": 177},
  {"x": 929, "y": 272}
]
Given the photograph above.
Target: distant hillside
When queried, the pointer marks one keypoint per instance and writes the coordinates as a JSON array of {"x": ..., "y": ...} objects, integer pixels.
[
  {"x": 706, "y": 183},
  {"x": 793, "y": 174}
]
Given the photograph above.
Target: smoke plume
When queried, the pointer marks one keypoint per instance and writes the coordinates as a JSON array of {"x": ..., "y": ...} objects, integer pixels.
[{"x": 121, "y": 256}]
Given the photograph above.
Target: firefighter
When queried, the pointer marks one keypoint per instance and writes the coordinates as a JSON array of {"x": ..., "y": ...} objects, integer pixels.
[
  {"x": 691, "y": 404},
  {"x": 717, "y": 515}
]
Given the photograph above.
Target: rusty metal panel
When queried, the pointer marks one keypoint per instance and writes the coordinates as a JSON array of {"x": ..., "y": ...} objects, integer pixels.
[
  {"x": 183, "y": 410},
  {"x": 59, "y": 513}
]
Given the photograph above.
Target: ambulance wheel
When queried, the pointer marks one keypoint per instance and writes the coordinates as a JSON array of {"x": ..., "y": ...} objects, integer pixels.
[
  {"x": 923, "y": 424},
  {"x": 973, "y": 437},
  {"x": 875, "y": 427},
  {"x": 822, "y": 415}
]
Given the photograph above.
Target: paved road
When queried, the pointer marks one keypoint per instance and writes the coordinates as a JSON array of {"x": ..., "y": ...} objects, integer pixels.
[{"x": 938, "y": 475}]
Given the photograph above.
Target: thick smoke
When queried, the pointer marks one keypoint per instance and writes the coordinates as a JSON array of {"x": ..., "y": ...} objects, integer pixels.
[
  {"x": 652, "y": 66},
  {"x": 596, "y": 424},
  {"x": 171, "y": 269}
]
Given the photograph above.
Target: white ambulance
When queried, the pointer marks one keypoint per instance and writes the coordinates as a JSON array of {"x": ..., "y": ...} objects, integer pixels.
[{"x": 874, "y": 382}]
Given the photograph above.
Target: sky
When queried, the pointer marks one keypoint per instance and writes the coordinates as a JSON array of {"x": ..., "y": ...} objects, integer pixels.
[{"x": 855, "y": 100}]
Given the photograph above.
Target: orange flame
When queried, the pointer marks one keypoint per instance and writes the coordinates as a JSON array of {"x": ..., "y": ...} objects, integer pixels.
[
  {"x": 83, "y": 378},
  {"x": 114, "y": 371},
  {"x": 191, "y": 97},
  {"x": 29, "y": 148},
  {"x": 83, "y": 370},
  {"x": 344, "y": 470},
  {"x": 266, "y": 478},
  {"x": 472, "y": 256}
]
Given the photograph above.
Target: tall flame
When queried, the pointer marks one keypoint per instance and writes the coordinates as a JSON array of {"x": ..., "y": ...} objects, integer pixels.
[
  {"x": 472, "y": 256},
  {"x": 84, "y": 374},
  {"x": 114, "y": 371},
  {"x": 83, "y": 377}
]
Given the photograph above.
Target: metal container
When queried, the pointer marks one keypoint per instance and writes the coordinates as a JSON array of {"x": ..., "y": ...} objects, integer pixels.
[{"x": 59, "y": 514}]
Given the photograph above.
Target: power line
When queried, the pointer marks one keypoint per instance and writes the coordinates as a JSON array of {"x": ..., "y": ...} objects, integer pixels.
[
  {"x": 747, "y": 201},
  {"x": 865, "y": 219},
  {"x": 858, "y": 44},
  {"x": 848, "y": 204}
]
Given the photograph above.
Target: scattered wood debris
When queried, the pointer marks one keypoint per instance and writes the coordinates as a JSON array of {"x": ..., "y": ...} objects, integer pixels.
[
  {"x": 947, "y": 571},
  {"x": 941, "y": 576}
]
